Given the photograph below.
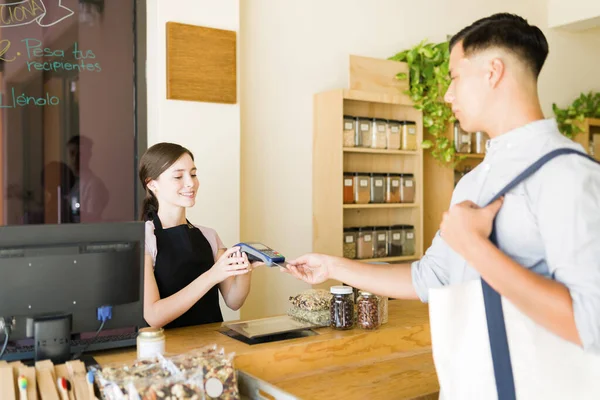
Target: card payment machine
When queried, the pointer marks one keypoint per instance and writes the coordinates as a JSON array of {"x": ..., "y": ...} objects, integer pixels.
[{"x": 260, "y": 252}]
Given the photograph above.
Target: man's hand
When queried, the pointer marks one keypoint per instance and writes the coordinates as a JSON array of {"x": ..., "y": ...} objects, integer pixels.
[
  {"x": 466, "y": 222},
  {"x": 311, "y": 268}
]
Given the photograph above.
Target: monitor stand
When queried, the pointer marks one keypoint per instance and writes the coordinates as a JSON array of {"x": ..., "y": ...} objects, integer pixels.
[{"x": 52, "y": 337}]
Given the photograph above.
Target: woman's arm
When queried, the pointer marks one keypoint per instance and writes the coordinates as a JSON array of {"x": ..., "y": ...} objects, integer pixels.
[{"x": 235, "y": 289}]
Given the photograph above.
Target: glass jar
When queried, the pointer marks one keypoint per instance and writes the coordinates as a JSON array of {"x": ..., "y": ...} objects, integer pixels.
[
  {"x": 364, "y": 245},
  {"x": 150, "y": 342},
  {"x": 392, "y": 188},
  {"x": 363, "y": 132},
  {"x": 368, "y": 311},
  {"x": 349, "y": 131},
  {"x": 362, "y": 188},
  {"x": 409, "y": 135},
  {"x": 480, "y": 140},
  {"x": 379, "y": 135},
  {"x": 407, "y": 188},
  {"x": 380, "y": 239},
  {"x": 350, "y": 238},
  {"x": 395, "y": 240},
  {"x": 341, "y": 308},
  {"x": 408, "y": 244},
  {"x": 383, "y": 309},
  {"x": 377, "y": 188},
  {"x": 393, "y": 135},
  {"x": 462, "y": 139},
  {"x": 348, "y": 188}
]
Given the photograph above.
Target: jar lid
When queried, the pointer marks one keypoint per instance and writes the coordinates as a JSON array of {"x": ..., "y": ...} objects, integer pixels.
[
  {"x": 408, "y": 226},
  {"x": 408, "y": 123},
  {"x": 150, "y": 332},
  {"x": 393, "y": 121},
  {"x": 377, "y": 174},
  {"x": 394, "y": 227},
  {"x": 367, "y": 118},
  {"x": 352, "y": 229},
  {"x": 362, "y": 293},
  {"x": 349, "y": 116},
  {"x": 379, "y": 120},
  {"x": 362, "y": 174},
  {"x": 365, "y": 228},
  {"x": 408, "y": 175},
  {"x": 341, "y": 289}
]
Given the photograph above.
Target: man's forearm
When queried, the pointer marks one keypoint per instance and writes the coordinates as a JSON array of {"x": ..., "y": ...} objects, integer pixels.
[
  {"x": 391, "y": 280},
  {"x": 545, "y": 301}
]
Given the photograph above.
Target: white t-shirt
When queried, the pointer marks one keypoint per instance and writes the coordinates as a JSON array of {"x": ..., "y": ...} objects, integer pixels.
[{"x": 210, "y": 234}]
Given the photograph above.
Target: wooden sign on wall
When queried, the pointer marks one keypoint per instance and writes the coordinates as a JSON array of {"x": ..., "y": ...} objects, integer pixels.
[{"x": 201, "y": 64}]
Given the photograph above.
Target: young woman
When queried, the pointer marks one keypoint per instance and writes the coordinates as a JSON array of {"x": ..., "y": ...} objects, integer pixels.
[{"x": 185, "y": 265}]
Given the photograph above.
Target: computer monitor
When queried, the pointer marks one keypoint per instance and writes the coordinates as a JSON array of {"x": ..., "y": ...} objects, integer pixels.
[{"x": 48, "y": 272}]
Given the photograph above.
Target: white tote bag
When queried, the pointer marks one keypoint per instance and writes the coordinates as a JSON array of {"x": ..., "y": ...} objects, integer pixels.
[{"x": 485, "y": 348}]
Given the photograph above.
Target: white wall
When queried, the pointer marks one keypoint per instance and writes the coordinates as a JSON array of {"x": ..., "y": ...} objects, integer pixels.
[
  {"x": 574, "y": 14},
  {"x": 293, "y": 49},
  {"x": 211, "y": 131}
]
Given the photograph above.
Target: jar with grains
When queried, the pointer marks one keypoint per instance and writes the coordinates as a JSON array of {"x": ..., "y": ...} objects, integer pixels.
[
  {"x": 380, "y": 246},
  {"x": 362, "y": 188},
  {"x": 364, "y": 245},
  {"x": 409, "y": 135},
  {"x": 395, "y": 240},
  {"x": 392, "y": 188},
  {"x": 350, "y": 242},
  {"x": 377, "y": 188},
  {"x": 407, "y": 188},
  {"x": 379, "y": 136},
  {"x": 393, "y": 135},
  {"x": 150, "y": 342},
  {"x": 368, "y": 311},
  {"x": 341, "y": 307},
  {"x": 363, "y": 132},
  {"x": 383, "y": 309},
  {"x": 408, "y": 245},
  {"x": 348, "y": 188},
  {"x": 349, "y": 131}
]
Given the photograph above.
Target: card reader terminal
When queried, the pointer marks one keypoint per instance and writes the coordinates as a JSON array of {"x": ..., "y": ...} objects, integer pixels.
[{"x": 260, "y": 252}]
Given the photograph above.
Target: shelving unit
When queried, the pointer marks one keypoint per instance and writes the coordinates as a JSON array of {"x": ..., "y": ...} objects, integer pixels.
[
  {"x": 590, "y": 137},
  {"x": 331, "y": 160}
]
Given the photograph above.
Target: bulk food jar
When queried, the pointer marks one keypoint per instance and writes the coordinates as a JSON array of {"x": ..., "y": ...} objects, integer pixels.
[
  {"x": 377, "y": 188},
  {"x": 392, "y": 188},
  {"x": 368, "y": 311},
  {"x": 409, "y": 135},
  {"x": 408, "y": 236},
  {"x": 380, "y": 239},
  {"x": 395, "y": 240},
  {"x": 341, "y": 307},
  {"x": 393, "y": 135},
  {"x": 349, "y": 131},
  {"x": 350, "y": 242},
  {"x": 379, "y": 136},
  {"x": 407, "y": 188},
  {"x": 348, "y": 188},
  {"x": 364, "y": 245},
  {"x": 363, "y": 132},
  {"x": 362, "y": 188}
]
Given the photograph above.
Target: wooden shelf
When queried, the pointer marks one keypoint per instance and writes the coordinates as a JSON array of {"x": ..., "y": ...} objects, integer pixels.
[
  {"x": 391, "y": 259},
  {"x": 380, "y": 151},
  {"x": 377, "y": 97},
  {"x": 379, "y": 206},
  {"x": 470, "y": 155}
]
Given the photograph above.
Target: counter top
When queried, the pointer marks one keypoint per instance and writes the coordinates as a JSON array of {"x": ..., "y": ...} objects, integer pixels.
[{"x": 393, "y": 361}]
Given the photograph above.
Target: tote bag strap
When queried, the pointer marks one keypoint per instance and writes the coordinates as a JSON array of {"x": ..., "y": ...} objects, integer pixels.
[{"x": 503, "y": 373}]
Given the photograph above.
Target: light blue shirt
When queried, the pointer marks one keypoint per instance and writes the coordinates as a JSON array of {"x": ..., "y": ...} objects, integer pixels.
[{"x": 550, "y": 223}]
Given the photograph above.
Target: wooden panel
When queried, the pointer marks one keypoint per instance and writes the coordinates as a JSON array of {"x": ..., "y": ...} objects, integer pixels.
[
  {"x": 365, "y": 162},
  {"x": 377, "y": 97},
  {"x": 377, "y": 75},
  {"x": 201, "y": 64},
  {"x": 7, "y": 383}
]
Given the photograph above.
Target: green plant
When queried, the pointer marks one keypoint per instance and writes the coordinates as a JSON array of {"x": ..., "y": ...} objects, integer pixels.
[
  {"x": 569, "y": 119},
  {"x": 428, "y": 82}
]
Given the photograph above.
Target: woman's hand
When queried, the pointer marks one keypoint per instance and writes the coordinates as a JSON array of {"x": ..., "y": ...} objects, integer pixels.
[{"x": 231, "y": 263}]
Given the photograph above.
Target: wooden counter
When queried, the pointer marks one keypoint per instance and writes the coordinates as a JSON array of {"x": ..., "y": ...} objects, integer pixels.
[{"x": 394, "y": 361}]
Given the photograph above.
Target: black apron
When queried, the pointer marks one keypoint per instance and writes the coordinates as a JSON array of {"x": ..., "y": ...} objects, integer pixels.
[{"x": 183, "y": 254}]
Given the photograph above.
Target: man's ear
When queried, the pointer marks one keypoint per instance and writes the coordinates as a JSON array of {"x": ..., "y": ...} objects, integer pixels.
[{"x": 496, "y": 71}]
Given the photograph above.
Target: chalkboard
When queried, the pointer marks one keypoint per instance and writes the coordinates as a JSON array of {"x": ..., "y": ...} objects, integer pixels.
[{"x": 68, "y": 111}]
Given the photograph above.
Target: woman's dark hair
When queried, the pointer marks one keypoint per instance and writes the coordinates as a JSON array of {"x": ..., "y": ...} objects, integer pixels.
[
  {"x": 509, "y": 32},
  {"x": 156, "y": 160}
]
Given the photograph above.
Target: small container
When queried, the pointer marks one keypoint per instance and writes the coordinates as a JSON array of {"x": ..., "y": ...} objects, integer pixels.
[
  {"x": 350, "y": 242},
  {"x": 349, "y": 131},
  {"x": 364, "y": 246},
  {"x": 481, "y": 139},
  {"x": 368, "y": 311},
  {"x": 383, "y": 309},
  {"x": 407, "y": 188},
  {"x": 341, "y": 308},
  {"x": 380, "y": 239},
  {"x": 363, "y": 132},
  {"x": 392, "y": 188},
  {"x": 408, "y": 244},
  {"x": 462, "y": 139},
  {"x": 150, "y": 342},
  {"x": 377, "y": 188},
  {"x": 393, "y": 135},
  {"x": 395, "y": 240},
  {"x": 362, "y": 188},
  {"x": 348, "y": 188},
  {"x": 409, "y": 135},
  {"x": 379, "y": 135}
]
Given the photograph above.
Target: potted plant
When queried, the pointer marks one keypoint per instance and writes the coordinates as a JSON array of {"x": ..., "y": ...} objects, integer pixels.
[{"x": 569, "y": 119}]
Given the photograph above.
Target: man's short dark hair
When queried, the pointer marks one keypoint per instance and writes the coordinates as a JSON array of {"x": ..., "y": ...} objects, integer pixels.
[{"x": 507, "y": 31}]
